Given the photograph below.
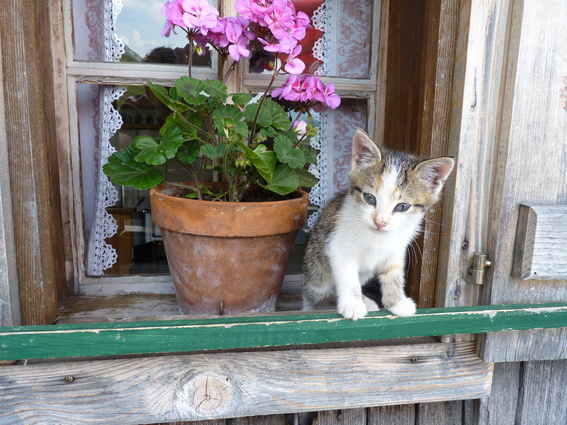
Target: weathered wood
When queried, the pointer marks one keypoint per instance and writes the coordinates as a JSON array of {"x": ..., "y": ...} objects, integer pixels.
[
  {"x": 500, "y": 408},
  {"x": 392, "y": 415},
  {"x": 542, "y": 393},
  {"x": 514, "y": 346},
  {"x": 9, "y": 302},
  {"x": 341, "y": 417},
  {"x": 540, "y": 251},
  {"x": 531, "y": 160},
  {"x": 446, "y": 413},
  {"x": 439, "y": 50},
  {"x": 32, "y": 157},
  {"x": 481, "y": 50},
  {"x": 214, "y": 386},
  {"x": 109, "y": 339}
]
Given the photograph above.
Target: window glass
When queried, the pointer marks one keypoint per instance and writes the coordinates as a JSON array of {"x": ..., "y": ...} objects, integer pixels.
[
  {"x": 128, "y": 31},
  {"x": 338, "y": 43}
]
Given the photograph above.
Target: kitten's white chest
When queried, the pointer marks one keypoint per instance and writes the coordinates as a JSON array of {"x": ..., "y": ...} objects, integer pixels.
[{"x": 365, "y": 250}]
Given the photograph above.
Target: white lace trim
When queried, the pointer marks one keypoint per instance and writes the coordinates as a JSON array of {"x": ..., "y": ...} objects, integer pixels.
[
  {"x": 102, "y": 255},
  {"x": 318, "y": 194},
  {"x": 321, "y": 46},
  {"x": 113, "y": 46}
]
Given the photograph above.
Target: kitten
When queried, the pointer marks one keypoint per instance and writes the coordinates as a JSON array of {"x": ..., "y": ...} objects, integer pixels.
[{"x": 365, "y": 232}]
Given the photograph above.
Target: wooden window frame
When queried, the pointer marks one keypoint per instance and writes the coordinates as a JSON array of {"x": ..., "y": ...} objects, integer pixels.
[{"x": 296, "y": 346}]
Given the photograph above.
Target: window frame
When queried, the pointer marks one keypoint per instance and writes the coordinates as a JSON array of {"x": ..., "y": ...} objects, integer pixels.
[{"x": 115, "y": 73}]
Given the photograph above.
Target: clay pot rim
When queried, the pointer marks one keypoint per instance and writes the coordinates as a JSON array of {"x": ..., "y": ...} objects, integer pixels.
[
  {"x": 159, "y": 191},
  {"x": 227, "y": 219}
]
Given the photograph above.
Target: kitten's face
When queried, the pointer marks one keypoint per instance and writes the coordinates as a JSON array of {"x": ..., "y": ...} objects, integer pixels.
[{"x": 392, "y": 190}]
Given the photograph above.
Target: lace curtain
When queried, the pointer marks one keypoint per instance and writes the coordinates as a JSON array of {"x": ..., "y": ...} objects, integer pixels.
[
  {"x": 96, "y": 36},
  {"x": 343, "y": 50}
]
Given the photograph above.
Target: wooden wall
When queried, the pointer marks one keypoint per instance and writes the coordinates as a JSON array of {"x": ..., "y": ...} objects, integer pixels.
[
  {"x": 31, "y": 144},
  {"x": 523, "y": 393}
]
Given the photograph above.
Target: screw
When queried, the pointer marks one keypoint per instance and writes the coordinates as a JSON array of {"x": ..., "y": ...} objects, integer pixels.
[
  {"x": 465, "y": 246},
  {"x": 69, "y": 379},
  {"x": 414, "y": 359}
]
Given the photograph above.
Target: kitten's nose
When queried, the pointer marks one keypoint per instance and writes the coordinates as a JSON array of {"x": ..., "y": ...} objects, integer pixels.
[{"x": 380, "y": 224}]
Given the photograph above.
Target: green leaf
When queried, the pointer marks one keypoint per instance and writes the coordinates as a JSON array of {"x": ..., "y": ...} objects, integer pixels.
[
  {"x": 191, "y": 90},
  {"x": 160, "y": 92},
  {"x": 284, "y": 180},
  {"x": 214, "y": 89},
  {"x": 262, "y": 159},
  {"x": 154, "y": 153},
  {"x": 189, "y": 123},
  {"x": 188, "y": 152},
  {"x": 214, "y": 152},
  {"x": 124, "y": 170},
  {"x": 271, "y": 114},
  {"x": 241, "y": 99},
  {"x": 229, "y": 119},
  {"x": 283, "y": 146},
  {"x": 306, "y": 179}
]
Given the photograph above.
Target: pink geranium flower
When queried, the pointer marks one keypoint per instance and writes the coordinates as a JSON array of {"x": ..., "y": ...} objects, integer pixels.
[
  {"x": 294, "y": 65},
  {"x": 238, "y": 42},
  {"x": 173, "y": 12},
  {"x": 309, "y": 90},
  {"x": 200, "y": 14}
]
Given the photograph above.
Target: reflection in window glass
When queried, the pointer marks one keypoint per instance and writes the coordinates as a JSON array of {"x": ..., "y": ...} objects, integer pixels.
[
  {"x": 338, "y": 43},
  {"x": 127, "y": 31}
]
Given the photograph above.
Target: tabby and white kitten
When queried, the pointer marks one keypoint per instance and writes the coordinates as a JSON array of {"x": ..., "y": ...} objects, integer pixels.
[{"x": 365, "y": 232}]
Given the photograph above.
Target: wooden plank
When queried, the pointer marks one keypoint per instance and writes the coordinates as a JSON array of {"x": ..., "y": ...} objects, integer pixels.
[
  {"x": 533, "y": 344},
  {"x": 500, "y": 408},
  {"x": 109, "y": 339},
  {"x": 222, "y": 385},
  {"x": 439, "y": 50},
  {"x": 341, "y": 417},
  {"x": 531, "y": 163},
  {"x": 9, "y": 302},
  {"x": 542, "y": 394},
  {"x": 32, "y": 158},
  {"x": 445, "y": 413},
  {"x": 540, "y": 250},
  {"x": 481, "y": 56},
  {"x": 392, "y": 415}
]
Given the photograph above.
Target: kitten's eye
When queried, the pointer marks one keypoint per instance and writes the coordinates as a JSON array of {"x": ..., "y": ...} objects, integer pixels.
[
  {"x": 402, "y": 207},
  {"x": 369, "y": 198}
]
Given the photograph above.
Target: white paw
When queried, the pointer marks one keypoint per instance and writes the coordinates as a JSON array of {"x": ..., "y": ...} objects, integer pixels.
[
  {"x": 405, "y": 307},
  {"x": 370, "y": 304},
  {"x": 353, "y": 309}
]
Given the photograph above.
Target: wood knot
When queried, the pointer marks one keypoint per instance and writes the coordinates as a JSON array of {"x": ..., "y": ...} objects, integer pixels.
[{"x": 205, "y": 395}]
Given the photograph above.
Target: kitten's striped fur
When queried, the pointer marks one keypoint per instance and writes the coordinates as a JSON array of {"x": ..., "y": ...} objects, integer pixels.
[{"x": 365, "y": 231}]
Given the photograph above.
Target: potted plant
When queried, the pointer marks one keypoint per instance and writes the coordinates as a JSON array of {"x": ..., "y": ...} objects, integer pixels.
[{"x": 228, "y": 242}]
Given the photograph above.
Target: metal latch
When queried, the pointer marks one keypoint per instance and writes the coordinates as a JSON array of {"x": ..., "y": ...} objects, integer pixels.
[{"x": 479, "y": 265}]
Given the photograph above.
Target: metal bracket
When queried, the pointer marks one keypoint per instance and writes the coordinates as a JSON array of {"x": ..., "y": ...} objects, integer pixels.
[{"x": 479, "y": 265}]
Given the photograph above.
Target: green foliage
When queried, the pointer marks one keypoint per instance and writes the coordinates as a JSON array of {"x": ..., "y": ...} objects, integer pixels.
[{"x": 248, "y": 143}]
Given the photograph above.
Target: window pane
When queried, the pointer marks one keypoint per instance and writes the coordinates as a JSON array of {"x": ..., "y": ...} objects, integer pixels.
[
  {"x": 338, "y": 42},
  {"x": 121, "y": 238},
  {"x": 127, "y": 31}
]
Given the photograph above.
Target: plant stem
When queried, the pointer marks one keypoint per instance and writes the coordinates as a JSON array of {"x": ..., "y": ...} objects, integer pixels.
[
  {"x": 261, "y": 102},
  {"x": 190, "y": 58},
  {"x": 229, "y": 71}
]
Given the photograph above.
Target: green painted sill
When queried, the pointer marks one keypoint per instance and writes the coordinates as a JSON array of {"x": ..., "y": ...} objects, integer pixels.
[{"x": 278, "y": 330}]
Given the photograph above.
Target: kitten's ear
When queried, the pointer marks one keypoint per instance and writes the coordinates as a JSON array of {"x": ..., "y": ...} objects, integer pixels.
[
  {"x": 364, "y": 150},
  {"x": 435, "y": 171}
]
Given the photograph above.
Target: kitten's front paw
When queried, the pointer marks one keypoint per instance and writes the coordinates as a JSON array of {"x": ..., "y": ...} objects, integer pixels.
[
  {"x": 404, "y": 307},
  {"x": 354, "y": 309}
]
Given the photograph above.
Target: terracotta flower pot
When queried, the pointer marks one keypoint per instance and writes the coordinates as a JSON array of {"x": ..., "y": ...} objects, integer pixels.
[{"x": 226, "y": 257}]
